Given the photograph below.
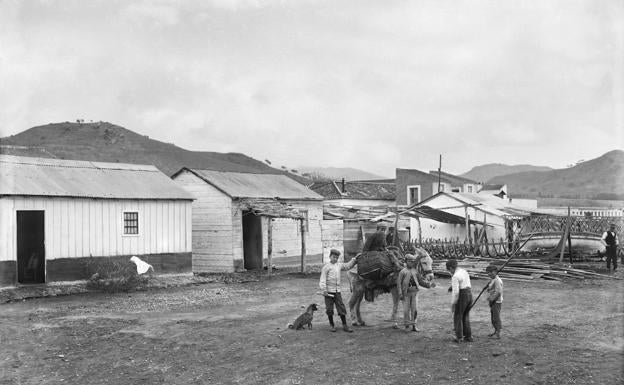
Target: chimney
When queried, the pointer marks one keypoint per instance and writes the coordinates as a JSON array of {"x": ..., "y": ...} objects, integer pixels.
[{"x": 344, "y": 189}]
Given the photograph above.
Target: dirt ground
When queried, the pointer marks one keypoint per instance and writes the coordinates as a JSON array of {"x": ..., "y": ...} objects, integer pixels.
[{"x": 235, "y": 333}]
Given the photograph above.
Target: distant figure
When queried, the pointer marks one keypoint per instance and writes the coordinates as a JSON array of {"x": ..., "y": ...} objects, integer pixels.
[
  {"x": 495, "y": 299},
  {"x": 610, "y": 240},
  {"x": 142, "y": 267},
  {"x": 390, "y": 237},
  {"x": 377, "y": 241}
]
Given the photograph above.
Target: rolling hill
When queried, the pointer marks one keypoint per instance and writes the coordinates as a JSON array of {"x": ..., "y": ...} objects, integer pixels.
[
  {"x": 337, "y": 173},
  {"x": 106, "y": 142},
  {"x": 486, "y": 172},
  {"x": 600, "y": 178}
]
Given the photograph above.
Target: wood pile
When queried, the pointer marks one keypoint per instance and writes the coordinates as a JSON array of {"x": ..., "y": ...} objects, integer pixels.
[{"x": 521, "y": 269}]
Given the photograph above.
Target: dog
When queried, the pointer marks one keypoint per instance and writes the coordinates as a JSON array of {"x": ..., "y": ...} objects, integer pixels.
[{"x": 304, "y": 319}]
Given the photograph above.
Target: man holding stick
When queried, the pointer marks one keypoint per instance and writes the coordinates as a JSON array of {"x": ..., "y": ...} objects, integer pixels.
[{"x": 461, "y": 301}]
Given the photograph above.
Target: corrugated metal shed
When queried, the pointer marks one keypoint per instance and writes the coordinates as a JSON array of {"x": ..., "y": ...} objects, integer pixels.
[
  {"x": 69, "y": 178},
  {"x": 243, "y": 185}
]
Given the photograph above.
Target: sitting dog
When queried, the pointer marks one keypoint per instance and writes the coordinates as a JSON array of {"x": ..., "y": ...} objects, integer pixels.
[{"x": 304, "y": 319}]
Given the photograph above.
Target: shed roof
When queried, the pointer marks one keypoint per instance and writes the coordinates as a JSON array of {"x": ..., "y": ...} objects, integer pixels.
[
  {"x": 26, "y": 176},
  {"x": 243, "y": 185},
  {"x": 487, "y": 203}
]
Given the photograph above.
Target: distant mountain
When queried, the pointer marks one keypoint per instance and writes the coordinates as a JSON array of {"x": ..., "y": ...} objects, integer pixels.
[
  {"x": 488, "y": 171},
  {"x": 337, "y": 173},
  {"x": 106, "y": 142},
  {"x": 600, "y": 178}
]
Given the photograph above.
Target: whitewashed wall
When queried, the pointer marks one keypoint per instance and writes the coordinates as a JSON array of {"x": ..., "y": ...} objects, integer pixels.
[
  {"x": 212, "y": 237},
  {"x": 332, "y": 233},
  {"x": 439, "y": 230},
  {"x": 77, "y": 227},
  {"x": 287, "y": 234}
]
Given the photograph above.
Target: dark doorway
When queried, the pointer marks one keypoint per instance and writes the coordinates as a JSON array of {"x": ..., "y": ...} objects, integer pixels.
[
  {"x": 252, "y": 241},
  {"x": 30, "y": 247}
]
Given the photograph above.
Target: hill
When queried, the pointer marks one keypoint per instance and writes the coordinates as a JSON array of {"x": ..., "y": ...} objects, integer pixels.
[
  {"x": 600, "y": 178},
  {"x": 486, "y": 172},
  {"x": 106, "y": 142},
  {"x": 337, "y": 173}
]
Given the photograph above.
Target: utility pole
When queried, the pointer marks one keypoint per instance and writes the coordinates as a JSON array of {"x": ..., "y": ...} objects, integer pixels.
[{"x": 440, "y": 173}]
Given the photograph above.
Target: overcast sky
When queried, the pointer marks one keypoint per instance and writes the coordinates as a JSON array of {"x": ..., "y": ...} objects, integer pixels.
[{"x": 373, "y": 85}]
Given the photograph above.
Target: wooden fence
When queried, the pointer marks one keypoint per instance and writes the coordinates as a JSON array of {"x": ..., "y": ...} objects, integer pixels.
[{"x": 458, "y": 249}]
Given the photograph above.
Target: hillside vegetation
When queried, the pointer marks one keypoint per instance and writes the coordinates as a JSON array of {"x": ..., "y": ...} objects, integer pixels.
[
  {"x": 600, "y": 178},
  {"x": 486, "y": 172},
  {"x": 106, "y": 142}
]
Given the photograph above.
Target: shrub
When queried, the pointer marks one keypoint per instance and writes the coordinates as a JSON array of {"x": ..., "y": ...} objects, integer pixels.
[{"x": 113, "y": 276}]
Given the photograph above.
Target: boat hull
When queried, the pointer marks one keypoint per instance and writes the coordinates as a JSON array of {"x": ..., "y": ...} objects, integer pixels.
[{"x": 582, "y": 243}]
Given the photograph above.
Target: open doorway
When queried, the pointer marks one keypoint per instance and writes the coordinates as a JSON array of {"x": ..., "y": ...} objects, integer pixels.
[
  {"x": 30, "y": 247},
  {"x": 252, "y": 241}
]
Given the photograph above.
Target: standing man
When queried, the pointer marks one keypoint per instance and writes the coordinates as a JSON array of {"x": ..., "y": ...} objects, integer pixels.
[
  {"x": 390, "y": 237},
  {"x": 330, "y": 286},
  {"x": 610, "y": 240},
  {"x": 461, "y": 300},
  {"x": 377, "y": 241}
]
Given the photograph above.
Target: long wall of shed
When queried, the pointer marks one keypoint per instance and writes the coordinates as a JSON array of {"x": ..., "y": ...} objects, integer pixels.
[{"x": 79, "y": 228}]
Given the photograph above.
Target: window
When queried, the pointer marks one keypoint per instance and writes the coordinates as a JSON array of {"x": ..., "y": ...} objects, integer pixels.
[
  {"x": 441, "y": 186},
  {"x": 131, "y": 223},
  {"x": 413, "y": 194},
  {"x": 469, "y": 188}
]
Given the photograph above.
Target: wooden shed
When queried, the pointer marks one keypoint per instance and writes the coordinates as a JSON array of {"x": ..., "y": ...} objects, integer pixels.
[
  {"x": 240, "y": 219},
  {"x": 56, "y": 214}
]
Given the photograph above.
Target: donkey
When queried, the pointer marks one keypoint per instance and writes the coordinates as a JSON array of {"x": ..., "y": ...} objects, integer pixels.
[{"x": 360, "y": 285}]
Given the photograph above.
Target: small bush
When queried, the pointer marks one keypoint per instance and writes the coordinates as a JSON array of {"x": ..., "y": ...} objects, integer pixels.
[{"x": 113, "y": 276}]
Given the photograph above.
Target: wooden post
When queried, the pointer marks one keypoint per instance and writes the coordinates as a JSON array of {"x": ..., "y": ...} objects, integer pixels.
[
  {"x": 566, "y": 234},
  {"x": 419, "y": 231},
  {"x": 270, "y": 244},
  {"x": 570, "y": 235},
  {"x": 303, "y": 246},
  {"x": 468, "y": 236}
]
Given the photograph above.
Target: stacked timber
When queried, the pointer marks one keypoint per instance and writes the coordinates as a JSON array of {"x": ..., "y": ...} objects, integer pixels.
[{"x": 522, "y": 269}]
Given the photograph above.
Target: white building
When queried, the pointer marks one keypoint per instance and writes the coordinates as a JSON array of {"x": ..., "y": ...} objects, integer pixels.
[{"x": 57, "y": 214}]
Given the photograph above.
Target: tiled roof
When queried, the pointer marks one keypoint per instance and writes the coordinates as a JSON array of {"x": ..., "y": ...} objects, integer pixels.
[{"x": 356, "y": 190}]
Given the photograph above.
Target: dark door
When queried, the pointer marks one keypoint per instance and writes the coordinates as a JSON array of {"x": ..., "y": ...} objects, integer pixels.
[
  {"x": 252, "y": 241},
  {"x": 30, "y": 247}
]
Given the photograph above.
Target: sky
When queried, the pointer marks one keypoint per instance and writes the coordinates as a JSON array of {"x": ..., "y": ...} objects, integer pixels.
[{"x": 373, "y": 85}]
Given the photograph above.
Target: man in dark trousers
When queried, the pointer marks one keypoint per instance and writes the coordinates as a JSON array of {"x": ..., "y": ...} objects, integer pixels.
[
  {"x": 609, "y": 238},
  {"x": 377, "y": 241},
  {"x": 460, "y": 301}
]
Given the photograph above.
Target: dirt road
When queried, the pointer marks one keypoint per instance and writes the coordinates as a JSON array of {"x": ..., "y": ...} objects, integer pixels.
[{"x": 554, "y": 333}]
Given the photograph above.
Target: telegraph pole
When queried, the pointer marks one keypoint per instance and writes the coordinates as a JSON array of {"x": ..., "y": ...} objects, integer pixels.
[{"x": 440, "y": 173}]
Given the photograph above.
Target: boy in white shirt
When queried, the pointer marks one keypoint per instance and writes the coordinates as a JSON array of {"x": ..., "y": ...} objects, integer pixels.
[
  {"x": 495, "y": 299},
  {"x": 330, "y": 286}
]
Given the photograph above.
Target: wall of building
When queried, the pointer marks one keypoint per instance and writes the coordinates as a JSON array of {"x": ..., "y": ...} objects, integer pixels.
[
  {"x": 286, "y": 236},
  {"x": 331, "y": 237},
  {"x": 406, "y": 177},
  {"x": 214, "y": 231},
  {"x": 438, "y": 230},
  {"x": 77, "y": 228}
]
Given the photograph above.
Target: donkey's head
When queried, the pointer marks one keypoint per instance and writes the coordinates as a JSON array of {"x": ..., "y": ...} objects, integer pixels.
[{"x": 424, "y": 264}]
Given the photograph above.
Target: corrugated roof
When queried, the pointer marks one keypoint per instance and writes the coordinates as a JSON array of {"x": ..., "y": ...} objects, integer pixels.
[
  {"x": 243, "y": 185},
  {"x": 82, "y": 179}
]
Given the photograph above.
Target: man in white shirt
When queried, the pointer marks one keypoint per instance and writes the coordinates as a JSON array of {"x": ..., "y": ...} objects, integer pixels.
[{"x": 461, "y": 300}]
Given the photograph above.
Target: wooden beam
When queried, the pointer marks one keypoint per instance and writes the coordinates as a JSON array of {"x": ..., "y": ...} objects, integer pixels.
[
  {"x": 303, "y": 246},
  {"x": 270, "y": 244}
]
